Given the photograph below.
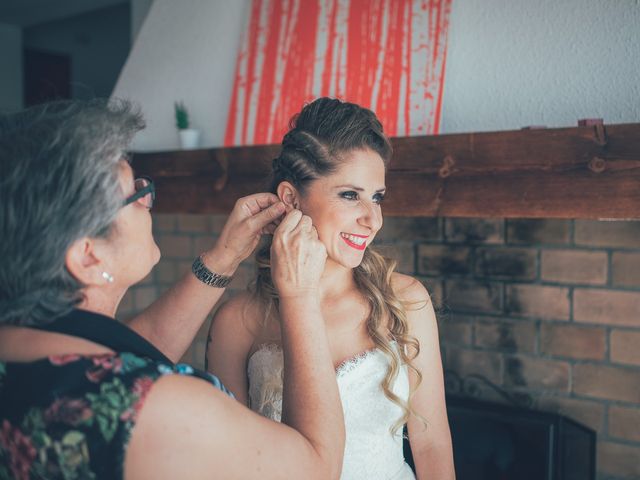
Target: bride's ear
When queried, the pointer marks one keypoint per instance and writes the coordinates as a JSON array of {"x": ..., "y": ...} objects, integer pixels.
[{"x": 288, "y": 194}]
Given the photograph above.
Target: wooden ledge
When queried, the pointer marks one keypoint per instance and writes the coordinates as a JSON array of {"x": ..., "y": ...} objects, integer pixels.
[{"x": 581, "y": 172}]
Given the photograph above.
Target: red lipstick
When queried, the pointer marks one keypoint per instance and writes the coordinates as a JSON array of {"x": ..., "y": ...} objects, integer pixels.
[{"x": 354, "y": 245}]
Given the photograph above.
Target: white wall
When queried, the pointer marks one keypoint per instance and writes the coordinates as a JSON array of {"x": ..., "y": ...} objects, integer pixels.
[
  {"x": 139, "y": 11},
  {"x": 511, "y": 63},
  {"x": 11, "y": 93},
  {"x": 184, "y": 54}
]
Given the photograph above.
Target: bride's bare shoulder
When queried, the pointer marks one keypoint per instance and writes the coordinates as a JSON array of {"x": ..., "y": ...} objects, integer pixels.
[
  {"x": 408, "y": 289},
  {"x": 242, "y": 309}
]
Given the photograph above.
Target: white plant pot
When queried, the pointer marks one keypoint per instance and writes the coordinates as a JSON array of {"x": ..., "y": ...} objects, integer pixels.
[{"x": 189, "y": 138}]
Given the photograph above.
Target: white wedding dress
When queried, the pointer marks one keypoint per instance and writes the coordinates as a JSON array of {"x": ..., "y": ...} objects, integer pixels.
[{"x": 371, "y": 451}]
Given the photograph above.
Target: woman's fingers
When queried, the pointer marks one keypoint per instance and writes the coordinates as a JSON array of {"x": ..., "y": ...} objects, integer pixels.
[
  {"x": 258, "y": 221},
  {"x": 257, "y": 202},
  {"x": 297, "y": 256},
  {"x": 289, "y": 222}
]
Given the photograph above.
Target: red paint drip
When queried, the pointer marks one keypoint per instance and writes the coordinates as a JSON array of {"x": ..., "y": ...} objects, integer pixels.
[
  {"x": 295, "y": 56},
  {"x": 268, "y": 74},
  {"x": 327, "y": 70}
]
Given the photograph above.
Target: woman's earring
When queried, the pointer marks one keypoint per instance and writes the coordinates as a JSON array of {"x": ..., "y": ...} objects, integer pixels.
[{"x": 107, "y": 277}]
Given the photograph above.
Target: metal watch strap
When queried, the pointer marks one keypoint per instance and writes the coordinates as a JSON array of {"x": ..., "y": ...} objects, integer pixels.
[{"x": 205, "y": 275}]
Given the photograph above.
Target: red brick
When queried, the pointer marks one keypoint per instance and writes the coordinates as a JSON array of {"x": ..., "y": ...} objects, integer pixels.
[
  {"x": 573, "y": 341},
  {"x": 608, "y": 382},
  {"x": 164, "y": 223},
  {"x": 409, "y": 229},
  {"x": 468, "y": 362},
  {"x": 150, "y": 279},
  {"x": 607, "y": 233},
  {"x": 166, "y": 272},
  {"x": 618, "y": 459},
  {"x": 470, "y": 296},
  {"x": 606, "y": 307},
  {"x": 199, "y": 349},
  {"x": 183, "y": 267},
  {"x": 402, "y": 253},
  {"x": 574, "y": 266},
  {"x": 538, "y": 301},
  {"x": 444, "y": 259},
  {"x": 245, "y": 274},
  {"x": 625, "y": 347},
  {"x": 175, "y": 246},
  {"x": 516, "y": 263},
  {"x": 474, "y": 230},
  {"x": 217, "y": 223},
  {"x": 455, "y": 329},
  {"x": 188, "y": 356},
  {"x": 203, "y": 331},
  {"x": 194, "y": 223},
  {"x": 586, "y": 412},
  {"x": 126, "y": 306},
  {"x": 624, "y": 423},
  {"x": 538, "y": 231},
  {"x": 625, "y": 269},
  {"x": 536, "y": 373},
  {"x": 507, "y": 336},
  {"x": 144, "y": 296},
  {"x": 203, "y": 243}
]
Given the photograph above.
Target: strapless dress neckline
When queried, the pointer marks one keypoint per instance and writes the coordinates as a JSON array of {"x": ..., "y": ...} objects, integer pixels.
[
  {"x": 344, "y": 366},
  {"x": 372, "y": 450}
]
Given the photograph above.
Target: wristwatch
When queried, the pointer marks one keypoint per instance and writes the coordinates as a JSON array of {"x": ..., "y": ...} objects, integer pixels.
[{"x": 205, "y": 275}]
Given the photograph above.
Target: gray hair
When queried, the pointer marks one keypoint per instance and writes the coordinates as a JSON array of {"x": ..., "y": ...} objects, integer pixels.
[{"x": 60, "y": 182}]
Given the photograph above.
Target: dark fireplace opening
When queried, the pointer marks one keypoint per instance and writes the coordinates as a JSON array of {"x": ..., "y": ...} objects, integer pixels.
[{"x": 493, "y": 441}]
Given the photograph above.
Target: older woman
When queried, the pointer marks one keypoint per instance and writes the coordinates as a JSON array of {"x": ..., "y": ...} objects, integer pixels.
[{"x": 83, "y": 396}]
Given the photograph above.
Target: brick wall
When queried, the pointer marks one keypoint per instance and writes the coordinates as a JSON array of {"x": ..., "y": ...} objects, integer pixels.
[{"x": 548, "y": 308}]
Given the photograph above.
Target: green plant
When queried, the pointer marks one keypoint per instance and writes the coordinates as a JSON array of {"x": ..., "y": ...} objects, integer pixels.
[{"x": 182, "y": 116}]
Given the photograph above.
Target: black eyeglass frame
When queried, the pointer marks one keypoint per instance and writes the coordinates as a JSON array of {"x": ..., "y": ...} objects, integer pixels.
[{"x": 149, "y": 189}]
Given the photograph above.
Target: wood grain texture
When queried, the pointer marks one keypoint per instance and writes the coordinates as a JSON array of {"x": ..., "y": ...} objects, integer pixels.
[{"x": 582, "y": 172}]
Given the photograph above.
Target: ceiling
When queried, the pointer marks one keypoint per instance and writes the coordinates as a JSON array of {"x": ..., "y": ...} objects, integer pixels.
[{"x": 25, "y": 13}]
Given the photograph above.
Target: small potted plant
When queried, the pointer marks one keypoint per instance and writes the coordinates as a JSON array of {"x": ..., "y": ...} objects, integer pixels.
[{"x": 189, "y": 137}]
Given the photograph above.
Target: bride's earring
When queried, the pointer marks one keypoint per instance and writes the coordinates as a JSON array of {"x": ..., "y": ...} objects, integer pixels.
[{"x": 107, "y": 277}]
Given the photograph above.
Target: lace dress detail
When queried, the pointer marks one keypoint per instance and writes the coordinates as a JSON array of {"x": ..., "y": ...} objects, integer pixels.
[{"x": 371, "y": 450}]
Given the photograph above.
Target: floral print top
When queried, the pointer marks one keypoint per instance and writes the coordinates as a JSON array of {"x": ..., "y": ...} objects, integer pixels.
[{"x": 71, "y": 416}]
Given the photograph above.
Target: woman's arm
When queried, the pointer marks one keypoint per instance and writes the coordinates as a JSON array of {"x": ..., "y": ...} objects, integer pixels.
[
  {"x": 430, "y": 443},
  {"x": 189, "y": 429},
  {"x": 228, "y": 345},
  {"x": 186, "y": 427},
  {"x": 172, "y": 321}
]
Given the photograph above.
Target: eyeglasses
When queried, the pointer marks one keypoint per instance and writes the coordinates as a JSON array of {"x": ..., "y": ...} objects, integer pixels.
[{"x": 145, "y": 192}]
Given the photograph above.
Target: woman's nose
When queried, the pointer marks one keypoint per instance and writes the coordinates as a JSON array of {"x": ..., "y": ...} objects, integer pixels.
[{"x": 371, "y": 216}]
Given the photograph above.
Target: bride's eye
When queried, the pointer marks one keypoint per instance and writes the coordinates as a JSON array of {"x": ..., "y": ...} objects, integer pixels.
[
  {"x": 349, "y": 195},
  {"x": 378, "y": 198}
]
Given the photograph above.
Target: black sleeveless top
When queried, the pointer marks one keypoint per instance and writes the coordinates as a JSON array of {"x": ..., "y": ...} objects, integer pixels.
[{"x": 71, "y": 416}]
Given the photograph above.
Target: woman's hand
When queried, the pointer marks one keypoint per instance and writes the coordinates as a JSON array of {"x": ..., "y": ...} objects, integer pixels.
[
  {"x": 251, "y": 217},
  {"x": 297, "y": 256}
]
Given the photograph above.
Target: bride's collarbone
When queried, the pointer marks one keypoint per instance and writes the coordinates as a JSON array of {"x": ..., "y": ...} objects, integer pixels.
[{"x": 346, "y": 322}]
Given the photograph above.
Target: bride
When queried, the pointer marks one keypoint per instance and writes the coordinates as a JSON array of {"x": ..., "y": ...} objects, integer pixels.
[{"x": 381, "y": 325}]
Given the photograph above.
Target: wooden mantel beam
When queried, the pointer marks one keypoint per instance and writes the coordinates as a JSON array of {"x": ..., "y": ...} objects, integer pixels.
[{"x": 581, "y": 172}]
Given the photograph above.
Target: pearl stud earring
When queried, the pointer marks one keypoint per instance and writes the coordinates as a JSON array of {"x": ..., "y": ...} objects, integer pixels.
[{"x": 107, "y": 277}]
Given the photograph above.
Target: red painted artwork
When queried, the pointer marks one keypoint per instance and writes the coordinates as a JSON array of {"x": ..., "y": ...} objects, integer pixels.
[{"x": 387, "y": 55}]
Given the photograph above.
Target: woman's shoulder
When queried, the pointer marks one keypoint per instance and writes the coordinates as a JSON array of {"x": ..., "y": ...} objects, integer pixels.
[
  {"x": 408, "y": 288},
  {"x": 240, "y": 316},
  {"x": 244, "y": 306}
]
